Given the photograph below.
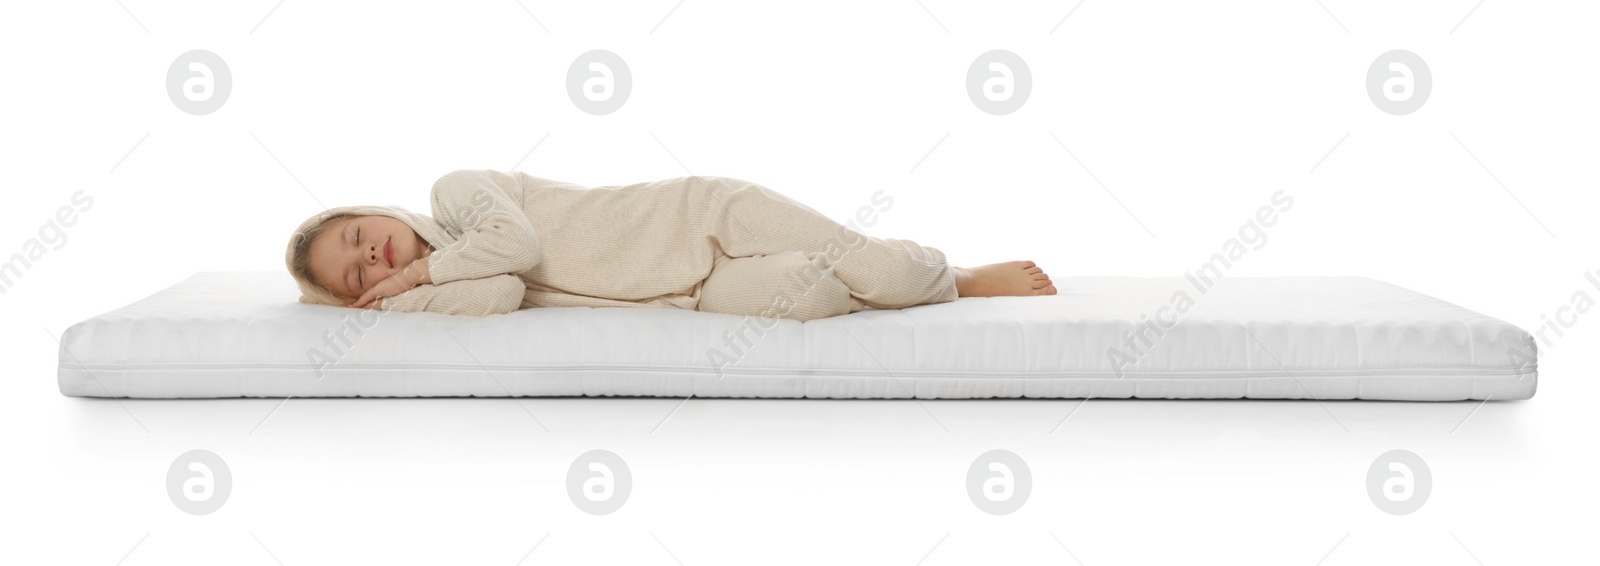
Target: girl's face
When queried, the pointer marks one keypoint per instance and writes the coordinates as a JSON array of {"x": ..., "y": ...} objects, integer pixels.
[{"x": 357, "y": 252}]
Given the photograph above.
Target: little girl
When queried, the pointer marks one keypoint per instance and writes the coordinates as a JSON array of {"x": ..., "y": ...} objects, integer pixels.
[{"x": 501, "y": 241}]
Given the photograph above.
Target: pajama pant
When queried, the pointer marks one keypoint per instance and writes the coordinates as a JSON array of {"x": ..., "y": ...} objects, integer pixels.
[{"x": 723, "y": 245}]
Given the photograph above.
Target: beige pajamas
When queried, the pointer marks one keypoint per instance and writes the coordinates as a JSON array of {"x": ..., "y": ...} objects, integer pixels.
[
  {"x": 714, "y": 244},
  {"x": 722, "y": 245}
]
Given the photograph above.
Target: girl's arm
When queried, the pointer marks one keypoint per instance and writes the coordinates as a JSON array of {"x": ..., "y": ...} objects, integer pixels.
[
  {"x": 498, "y": 294},
  {"x": 482, "y": 209},
  {"x": 477, "y": 273}
]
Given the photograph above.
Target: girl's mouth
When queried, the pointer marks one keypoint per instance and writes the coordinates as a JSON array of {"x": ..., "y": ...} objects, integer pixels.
[{"x": 388, "y": 253}]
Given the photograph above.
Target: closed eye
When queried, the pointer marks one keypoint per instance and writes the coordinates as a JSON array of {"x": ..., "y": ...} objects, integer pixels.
[{"x": 359, "y": 280}]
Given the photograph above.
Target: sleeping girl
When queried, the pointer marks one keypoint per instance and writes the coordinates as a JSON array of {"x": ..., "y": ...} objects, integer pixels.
[{"x": 500, "y": 241}]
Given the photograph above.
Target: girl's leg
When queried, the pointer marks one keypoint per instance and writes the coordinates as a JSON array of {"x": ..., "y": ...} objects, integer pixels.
[
  {"x": 782, "y": 285},
  {"x": 878, "y": 272}
]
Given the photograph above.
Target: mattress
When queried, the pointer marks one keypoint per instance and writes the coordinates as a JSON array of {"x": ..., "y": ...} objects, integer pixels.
[{"x": 242, "y": 334}]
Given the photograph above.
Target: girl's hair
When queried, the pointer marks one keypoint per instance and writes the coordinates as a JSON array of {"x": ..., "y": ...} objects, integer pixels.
[{"x": 299, "y": 260}]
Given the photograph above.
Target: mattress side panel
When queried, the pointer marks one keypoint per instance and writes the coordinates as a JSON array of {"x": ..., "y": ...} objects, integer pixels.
[{"x": 1327, "y": 338}]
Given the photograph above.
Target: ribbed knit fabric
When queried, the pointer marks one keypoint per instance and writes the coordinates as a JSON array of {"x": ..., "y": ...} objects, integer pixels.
[{"x": 509, "y": 240}]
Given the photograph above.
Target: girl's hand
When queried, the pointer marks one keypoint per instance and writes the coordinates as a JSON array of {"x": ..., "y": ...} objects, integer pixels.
[{"x": 389, "y": 287}]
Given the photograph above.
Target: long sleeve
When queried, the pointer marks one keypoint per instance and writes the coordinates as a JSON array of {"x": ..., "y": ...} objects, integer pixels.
[
  {"x": 482, "y": 210},
  {"x": 496, "y": 294}
]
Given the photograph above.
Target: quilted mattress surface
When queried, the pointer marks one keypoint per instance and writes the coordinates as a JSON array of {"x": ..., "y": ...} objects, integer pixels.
[{"x": 242, "y": 334}]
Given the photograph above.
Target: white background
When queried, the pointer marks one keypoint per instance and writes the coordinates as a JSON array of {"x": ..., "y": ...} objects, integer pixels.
[{"x": 1191, "y": 114}]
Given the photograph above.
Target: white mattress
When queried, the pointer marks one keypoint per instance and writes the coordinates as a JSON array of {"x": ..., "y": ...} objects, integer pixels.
[{"x": 241, "y": 334}]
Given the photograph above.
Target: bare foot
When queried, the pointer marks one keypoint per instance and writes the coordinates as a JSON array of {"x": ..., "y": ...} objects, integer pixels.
[{"x": 1004, "y": 279}]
